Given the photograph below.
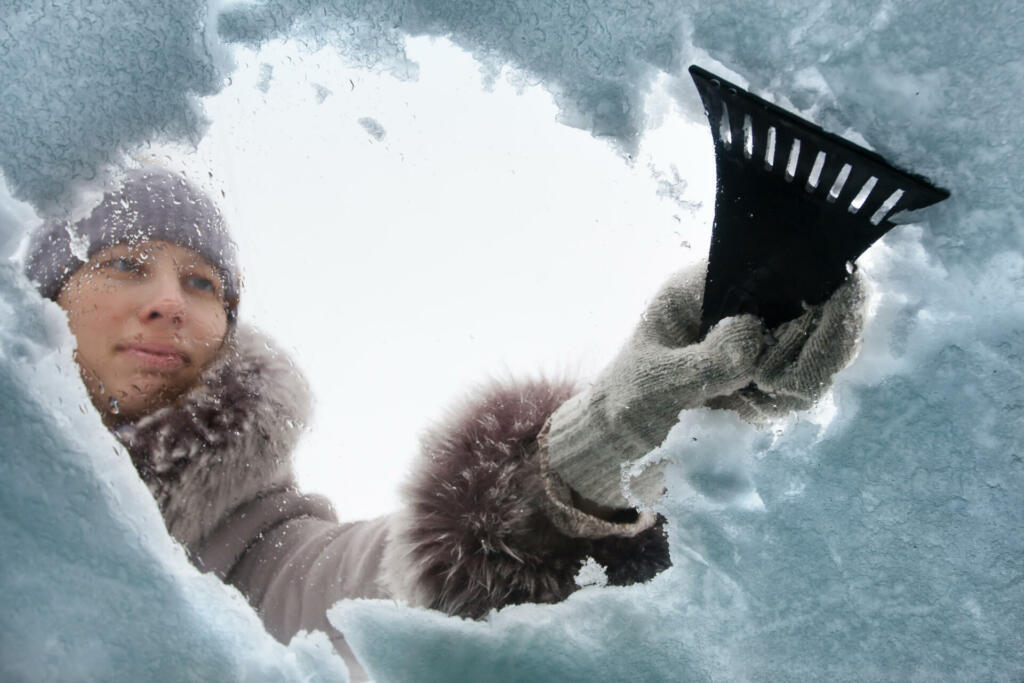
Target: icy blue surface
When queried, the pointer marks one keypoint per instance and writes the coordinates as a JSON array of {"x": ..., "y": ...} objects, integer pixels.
[
  {"x": 886, "y": 545},
  {"x": 82, "y": 80}
]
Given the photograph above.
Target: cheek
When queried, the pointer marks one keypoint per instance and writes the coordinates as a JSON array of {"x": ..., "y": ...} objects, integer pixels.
[
  {"x": 98, "y": 316},
  {"x": 92, "y": 321},
  {"x": 97, "y": 304},
  {"x": 209, "y": 330}
]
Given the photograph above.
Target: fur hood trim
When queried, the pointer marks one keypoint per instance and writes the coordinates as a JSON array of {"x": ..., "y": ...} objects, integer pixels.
[
  {"x": 224, "y": 442},
  {"x": 478, "y": 530}
]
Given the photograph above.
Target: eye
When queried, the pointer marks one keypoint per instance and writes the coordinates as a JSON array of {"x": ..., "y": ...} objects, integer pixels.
[
  {"x": 201, "y": 283},
  {"x": 123, "y": 264}
]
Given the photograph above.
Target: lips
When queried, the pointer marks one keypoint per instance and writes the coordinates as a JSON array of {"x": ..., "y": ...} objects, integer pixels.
[{"x": 157, "y": 356}]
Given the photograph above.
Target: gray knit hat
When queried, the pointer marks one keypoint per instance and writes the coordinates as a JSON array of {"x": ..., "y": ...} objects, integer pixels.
[{"x": 152, "y": 204}]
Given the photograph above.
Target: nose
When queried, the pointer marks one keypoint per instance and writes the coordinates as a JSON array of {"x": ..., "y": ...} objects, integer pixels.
[{"x": 164, "y": 301}]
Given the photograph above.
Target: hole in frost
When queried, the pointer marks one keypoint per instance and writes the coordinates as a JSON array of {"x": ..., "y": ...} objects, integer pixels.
[
  {"x": 794, "y": 157},
  {"x": 748, "y": 137},
  {"x": 724, "y": 129},
  {"x": 769, "y": 150},
  {"x": 863, "y": 195},
  {"x": 886, "y": 207},
  {"x": 812, "y": 180},
  {"x": 837, "y": 186}
]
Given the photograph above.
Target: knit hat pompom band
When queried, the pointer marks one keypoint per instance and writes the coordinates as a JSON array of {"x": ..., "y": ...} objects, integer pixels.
[{"x": 152, "y": 204}]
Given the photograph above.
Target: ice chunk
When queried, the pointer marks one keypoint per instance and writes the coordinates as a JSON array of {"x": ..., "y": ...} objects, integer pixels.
[
  {"x": 266, "y": 76},
  {"x": 79, "y": 243},
  {"x": 373, "y": 127},
  {"x": 591, "y": 574},
  {"x": 322, "y": 93}
]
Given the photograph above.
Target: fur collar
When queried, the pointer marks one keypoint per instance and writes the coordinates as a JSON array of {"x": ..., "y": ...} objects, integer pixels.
[{"x": 226, "y": 441}]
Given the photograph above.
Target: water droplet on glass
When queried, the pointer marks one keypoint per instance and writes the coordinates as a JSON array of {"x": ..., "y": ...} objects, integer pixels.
[{"x": 114, "y": 408}]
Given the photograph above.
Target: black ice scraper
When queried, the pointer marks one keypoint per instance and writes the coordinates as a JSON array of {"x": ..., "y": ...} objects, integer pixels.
[{"x": 795, "y": 206}]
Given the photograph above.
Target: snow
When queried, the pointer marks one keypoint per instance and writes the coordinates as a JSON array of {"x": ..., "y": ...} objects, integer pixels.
[{"x": 877, "y": 538}]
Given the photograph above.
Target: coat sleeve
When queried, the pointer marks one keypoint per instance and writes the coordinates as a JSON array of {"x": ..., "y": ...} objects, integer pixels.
[
  {"x": 482, "y": 527},
  {"x": 290, "y": 557},
  {"x": 486, "y": 525}
]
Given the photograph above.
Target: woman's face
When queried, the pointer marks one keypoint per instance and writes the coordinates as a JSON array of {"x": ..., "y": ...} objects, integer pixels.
[{"x": 148, "y": 318}]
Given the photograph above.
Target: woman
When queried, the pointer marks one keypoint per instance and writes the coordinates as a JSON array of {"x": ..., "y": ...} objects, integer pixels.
[{"x": 514, "y": 490}]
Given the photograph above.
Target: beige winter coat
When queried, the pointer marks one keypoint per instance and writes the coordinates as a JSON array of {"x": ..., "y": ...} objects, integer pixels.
[{"x": 481, "y": 526}]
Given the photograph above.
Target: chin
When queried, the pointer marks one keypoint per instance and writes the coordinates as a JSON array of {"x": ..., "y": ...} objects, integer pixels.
[{"x": 140, "y": 399}]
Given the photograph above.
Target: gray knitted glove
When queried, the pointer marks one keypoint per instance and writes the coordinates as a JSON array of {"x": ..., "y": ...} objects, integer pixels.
[
  {"x": 797, "y": 367},
  {"x": 633, "y": 403},
  {"x": 663, "y": 369}
]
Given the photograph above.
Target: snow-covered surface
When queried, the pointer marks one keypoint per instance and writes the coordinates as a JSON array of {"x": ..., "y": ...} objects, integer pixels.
[{"x": 880, "y": 538}]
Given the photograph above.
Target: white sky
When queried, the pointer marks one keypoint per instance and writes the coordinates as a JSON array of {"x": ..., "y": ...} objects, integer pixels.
[{"x": 477, "y": 238}]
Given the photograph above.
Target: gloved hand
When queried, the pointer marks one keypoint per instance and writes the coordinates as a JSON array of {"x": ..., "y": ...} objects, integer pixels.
[
  {"x": 663, "y": 369},
  {"x": 797, "y": 366}
]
